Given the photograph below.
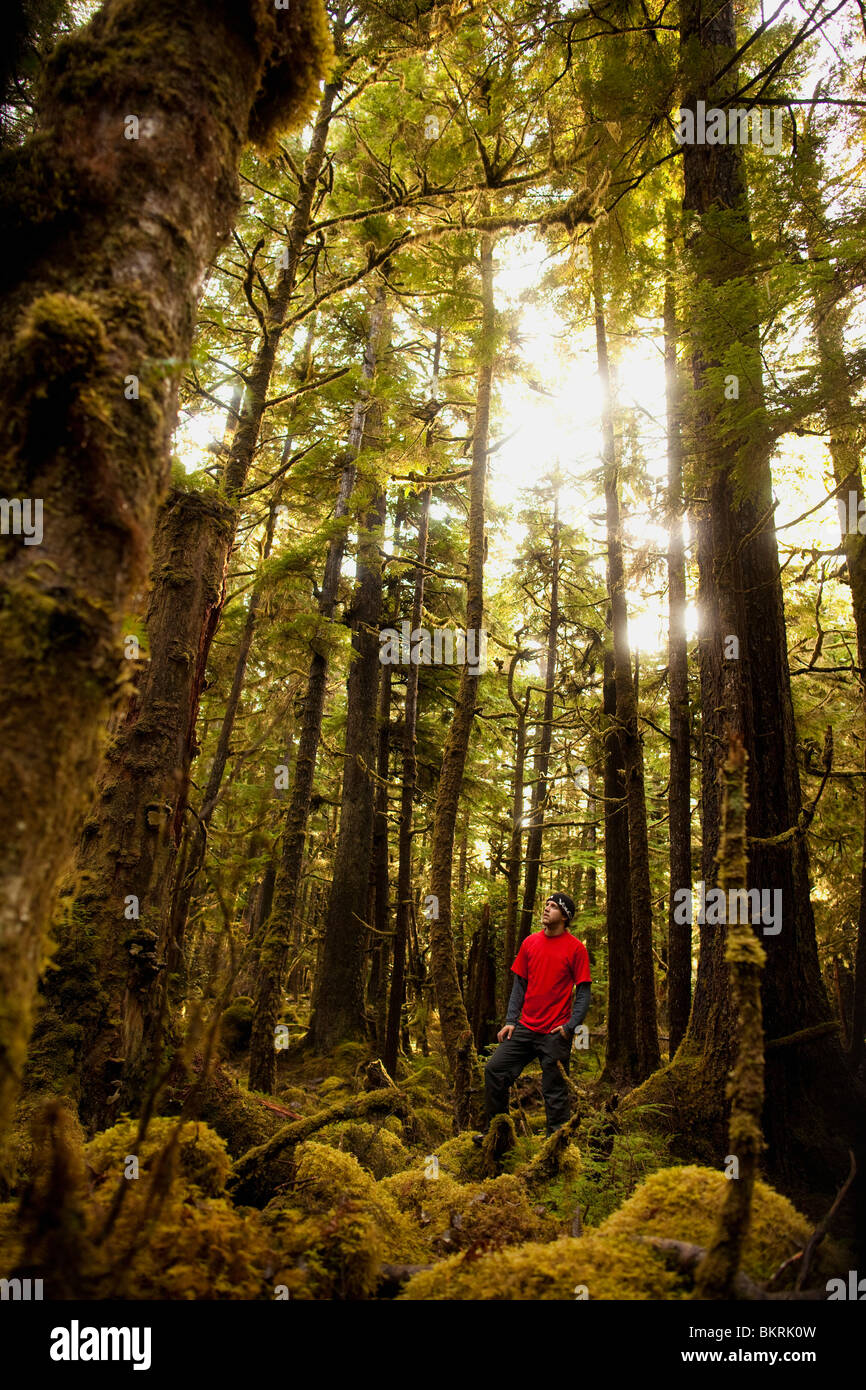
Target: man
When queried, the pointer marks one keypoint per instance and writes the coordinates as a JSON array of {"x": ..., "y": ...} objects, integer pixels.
[{"x": 540, "y": 1020}]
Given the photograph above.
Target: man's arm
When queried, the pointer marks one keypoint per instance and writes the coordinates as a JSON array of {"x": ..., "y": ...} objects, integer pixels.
[
  {"x": 515, "y": 1003},
  {"x": 579, "y": 1009}
]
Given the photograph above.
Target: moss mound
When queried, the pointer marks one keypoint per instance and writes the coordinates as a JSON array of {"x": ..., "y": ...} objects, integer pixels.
[
  {"x": 203, "y": 1161},
  {"x": 606, "y": 1267},
  {"x": 236, "y": 1026},
  {"x": 461, "y": 1158},
  {"x": 451, "y": 1216},
  {"x": 432, "y": 1126},
  {"x": 197, "y": 1249},
  {"x": 325, "y": 1177},
  {"x": 336, "y": 1256},
  {"x": 377, "y": 1149},
  {"x": 683, "y": 1204}
]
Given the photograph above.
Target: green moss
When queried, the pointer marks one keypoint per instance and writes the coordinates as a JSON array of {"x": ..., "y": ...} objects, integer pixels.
[
  {"x": 298, "y": 52},
  {"x": 462, "y": 1158},
  {"x": 203, "y": 1161},
  {"x": 236, "y": 1023},
  {"x": 451, "y": 1216},
  {"x": 201, "y": 1250},
  {"x": 325, "y": 1176},
  {"x": 377, "y": 1150},
  {"x": 607, "y": 1267},
  {"x": 336, "y": 1256},
  {"x": 432, "y": 1126},
  {"x": 683, "y": 1204},
  {"x": 333, "y": 1085}
]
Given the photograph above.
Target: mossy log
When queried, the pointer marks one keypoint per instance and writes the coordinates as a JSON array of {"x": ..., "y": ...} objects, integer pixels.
[
  {"x": 548, "y": 1163},
  {"x": 239, "y": 1116},
  {"x": 258, "y": 1174},
  {"x": 500, "y": 1140},
  {"x": 745, "y": 956}
]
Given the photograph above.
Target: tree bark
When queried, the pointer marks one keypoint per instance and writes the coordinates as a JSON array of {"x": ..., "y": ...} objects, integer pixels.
[
  {"x": 381, "y": 903},
  {"x": 94, "y": 298},
  {"x": 621, "y": 1058}
]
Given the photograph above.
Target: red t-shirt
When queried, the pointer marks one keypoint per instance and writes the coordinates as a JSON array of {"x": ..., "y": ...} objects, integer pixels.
[{"x": 552, "y": 966}]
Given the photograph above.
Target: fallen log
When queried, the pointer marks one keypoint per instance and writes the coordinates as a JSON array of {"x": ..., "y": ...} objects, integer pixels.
[{"x": 259, "y": 1173}]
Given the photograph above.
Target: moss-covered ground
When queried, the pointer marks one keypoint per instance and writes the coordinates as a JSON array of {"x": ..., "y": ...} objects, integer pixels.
[{"x": 382, "y": 1201}]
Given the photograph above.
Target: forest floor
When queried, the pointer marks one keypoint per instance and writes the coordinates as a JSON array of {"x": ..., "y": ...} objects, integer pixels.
[{"x": 348, "y": 1185}]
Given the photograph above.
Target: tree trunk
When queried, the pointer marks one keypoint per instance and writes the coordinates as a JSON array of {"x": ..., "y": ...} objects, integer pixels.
[
  {"x": 512, "y": 873},
  {"x": 338, "y": 993},
  {"x": 679, "y": 975},
  {"x": 407, "y": 798},
  {"x": 481, "y": 983},
  {"x": 456, "y": 1034},
  {"x": 192, "y": 850},
  {"x": 90, "y": 297},
  {"x": 646, "y": 1026},
  {"x": 541, "y": 761},
  {"x": 278, "y": 934},
  {"x": 621, "y": 1058},
  {"x": 381, "y": 914},
  {"x": 179, "y": 607}
]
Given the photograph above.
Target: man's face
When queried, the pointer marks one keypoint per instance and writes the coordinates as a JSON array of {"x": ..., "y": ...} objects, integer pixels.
[{"x": 552, "y": 916}]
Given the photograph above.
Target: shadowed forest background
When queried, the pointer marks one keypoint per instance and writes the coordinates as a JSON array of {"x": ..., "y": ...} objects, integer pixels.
[{"x": 323, "y": 322}]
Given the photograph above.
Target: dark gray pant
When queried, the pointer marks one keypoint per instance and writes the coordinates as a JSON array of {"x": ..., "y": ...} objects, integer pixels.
[{"x": 508, "y": 1061}]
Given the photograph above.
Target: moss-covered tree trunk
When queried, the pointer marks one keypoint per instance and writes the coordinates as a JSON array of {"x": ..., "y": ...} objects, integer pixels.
[
  {"x": 456, "y": 1033},
  {"x": 137, "y": 1020},
  {"x": 194, "y": 840},
  {"x": 679, "y": 786},
  {"x": 646, "y": 1025},
  {"x": 541, "y": 761},
  {"x": 111, "y": 943},
  {"x": 113, "y": 210},
  {"x": 744, "y": 954}
]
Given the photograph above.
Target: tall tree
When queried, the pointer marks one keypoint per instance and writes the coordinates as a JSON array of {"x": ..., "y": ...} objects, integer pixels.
[
  {"x": 640, "y": 891},
  {"x": 96, "y": 299},
  {"x": 456, "y": 1032}
]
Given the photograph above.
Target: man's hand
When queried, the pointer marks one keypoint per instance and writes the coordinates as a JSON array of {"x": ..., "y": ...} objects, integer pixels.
[
  {"x": 561, "y": 1030},
  {"x": 505, "y": 1032}
]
